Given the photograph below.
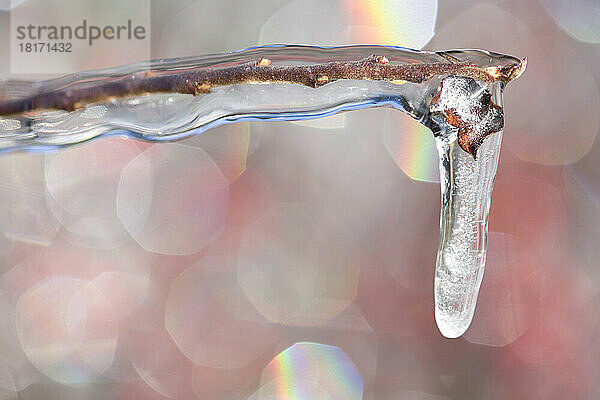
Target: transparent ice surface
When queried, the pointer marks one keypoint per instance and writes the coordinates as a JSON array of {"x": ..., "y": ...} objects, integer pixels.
[
  {"x": 466, "y": 186},
  {"x": 463, "y": 112}
]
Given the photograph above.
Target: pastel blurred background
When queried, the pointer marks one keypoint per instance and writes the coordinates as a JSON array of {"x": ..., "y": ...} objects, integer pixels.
[{"x": 278, "y": 260}]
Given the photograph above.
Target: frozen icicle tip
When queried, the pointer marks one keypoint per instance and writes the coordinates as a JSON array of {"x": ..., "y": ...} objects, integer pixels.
[{"x": 452, "y": 330}]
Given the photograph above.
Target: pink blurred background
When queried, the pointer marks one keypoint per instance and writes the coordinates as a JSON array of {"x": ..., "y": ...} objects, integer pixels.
[{"x": 274, "y": 260}]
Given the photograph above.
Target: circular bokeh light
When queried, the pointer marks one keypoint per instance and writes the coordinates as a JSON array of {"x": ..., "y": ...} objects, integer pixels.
[
  {"x": 288, "y": 272},
  {"x": 67, "y": 329},
  {"x": 227, "y": 145},
  {"x": 16, "y": 372},
  {"x": 173, "y": 199},
  {"x": 579, "y": 18},
  {"x": 82, "y": 184},
  {"x": 501, "y": 314},
  {"x": 24, "y": 213},
  {"x": 201, "y": 313},
  {"x": 125, "y": 291}
]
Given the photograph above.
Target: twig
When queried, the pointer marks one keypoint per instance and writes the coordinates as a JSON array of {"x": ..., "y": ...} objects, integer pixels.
[{"x": 200, "y": 80}]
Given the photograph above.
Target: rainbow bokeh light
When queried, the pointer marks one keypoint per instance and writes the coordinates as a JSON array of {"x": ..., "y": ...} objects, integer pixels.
[
  {"x": 412, "y": 147},
  {"x": 313, "y": 371},
  {"x": 407, "y": 23}
]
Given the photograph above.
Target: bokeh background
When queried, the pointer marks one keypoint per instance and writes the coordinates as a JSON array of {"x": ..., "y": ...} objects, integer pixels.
[{"x": 295, "y": 260}]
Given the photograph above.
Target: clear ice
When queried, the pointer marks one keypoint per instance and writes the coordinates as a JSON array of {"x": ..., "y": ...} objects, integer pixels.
[
  {"x": 464, "y": 114},
  {"x": 466, "y": 185}
]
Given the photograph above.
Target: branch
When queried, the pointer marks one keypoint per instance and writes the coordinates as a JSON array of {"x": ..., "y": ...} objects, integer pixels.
[{"x": 199, "y": 80}]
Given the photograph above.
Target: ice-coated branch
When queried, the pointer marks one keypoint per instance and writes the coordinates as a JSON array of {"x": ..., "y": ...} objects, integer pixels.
[
  {"x": 455, "y": 93},
  {"x": 254, "y": 66}
]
